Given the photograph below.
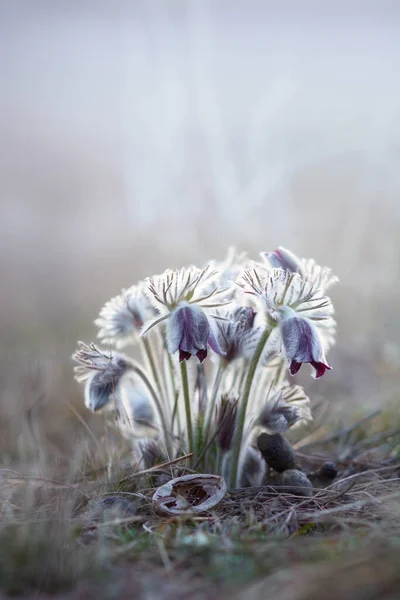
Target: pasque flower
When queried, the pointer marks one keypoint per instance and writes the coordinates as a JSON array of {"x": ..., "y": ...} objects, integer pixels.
[
  {"x": 284, "y": 408},
  {"x": 284, "y": 296},
  {"x": 189, "y": 331},
  {"x": 236, "y": 333},
  {"x": 180, "y": 296},
  {"x": 283, "y": 259},
  {"x": 122, "y": 317},
  {"x": 309, "y": 271},
  {"x": 301, "y": 343},
  {"x": 229, "y": 415},
  {"x": 102, "y": 373}
]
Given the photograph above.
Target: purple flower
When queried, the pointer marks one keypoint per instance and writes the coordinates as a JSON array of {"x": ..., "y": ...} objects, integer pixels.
[
  {"x": 236, "y": 331},
  {"x": 281, "y": 258},
  {"x": 302, "y": 344},
  {"x": 189, "y": 331}
]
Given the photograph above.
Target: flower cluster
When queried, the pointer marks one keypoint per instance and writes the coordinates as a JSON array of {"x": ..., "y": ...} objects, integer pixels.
[
  {"x": 253, "y": 318},
  {"x": 301, "y": 312}
]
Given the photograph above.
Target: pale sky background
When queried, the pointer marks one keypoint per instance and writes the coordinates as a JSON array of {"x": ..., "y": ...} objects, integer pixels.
[{"x": 141, "y": 135}]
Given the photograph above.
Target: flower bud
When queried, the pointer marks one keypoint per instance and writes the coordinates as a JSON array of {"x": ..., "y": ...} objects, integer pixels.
[
  {"x": 102, "y": 386},
  {"x": 101, "y": 371},
  {"x": 226, "y": 422},
  {"x": 281, "y": 258},
  {"x": 98, "y": 391},
  {"x": 278, "y": 417}
]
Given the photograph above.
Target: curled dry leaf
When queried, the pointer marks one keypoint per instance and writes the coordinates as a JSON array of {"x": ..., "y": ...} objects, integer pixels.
[{"x": 189, "y": 494}]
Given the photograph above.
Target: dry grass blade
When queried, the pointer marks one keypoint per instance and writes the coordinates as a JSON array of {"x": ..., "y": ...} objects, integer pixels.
[{"x": 159, "y": 467}]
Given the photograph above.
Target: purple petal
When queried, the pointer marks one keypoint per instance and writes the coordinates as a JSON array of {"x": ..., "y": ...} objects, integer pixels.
[
  {"x": 320, "y": 368},
  {"x": 184, "y": 355},
  {"x": 214, "y": 345},
  {"x": 301, "y": 340},
  {"x": 195, "y": 329},
  {"x": 174, "y": 330},
  {"x": 294, "y": 367},
  {"x": 284, "y": 259},
  {"x": 202, "y": 354}
]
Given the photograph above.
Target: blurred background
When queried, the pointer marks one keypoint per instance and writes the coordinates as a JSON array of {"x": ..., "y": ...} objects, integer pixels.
[{"x": 137, "y": 136}]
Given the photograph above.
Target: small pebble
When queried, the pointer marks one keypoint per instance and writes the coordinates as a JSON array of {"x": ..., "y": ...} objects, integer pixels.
[
  {"x": 324, "y": 476},
  {"x": 296, "y": 482},
  {"x": 328, "y": 471}
]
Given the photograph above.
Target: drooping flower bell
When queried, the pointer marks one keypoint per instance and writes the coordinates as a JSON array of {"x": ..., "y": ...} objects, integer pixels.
[
  {"x": 284, "y": 295},
  {"x": 189, "y": 331},
  {"x": 302, "y": 343},
  {"x": 101, "y": 372},
  {"x": 109, "y": 382}
]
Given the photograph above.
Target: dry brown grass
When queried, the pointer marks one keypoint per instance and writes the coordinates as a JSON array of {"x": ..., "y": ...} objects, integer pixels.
[{"x": 258, "y": 542}]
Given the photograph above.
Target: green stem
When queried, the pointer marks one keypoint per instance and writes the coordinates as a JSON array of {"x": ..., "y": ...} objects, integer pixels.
[
  {"x": 186, "y": 398},
  {"x": 175, "y": 411},
  {"x": 217, "y": 382},
  {"x": 242, "y": 377},
  {"x": 171, "y": 374},
  {"x": 238, "y": 436}
]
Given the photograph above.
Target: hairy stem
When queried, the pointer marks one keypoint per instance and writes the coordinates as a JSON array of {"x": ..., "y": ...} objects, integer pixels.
[
  {"x": 186, "y": 398},
  {"x": 150, "y": 357},
  {"x": 238, "y": 435},
  {"x": 280, "y": 373},
  {"x": 175, "y": 411}
]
